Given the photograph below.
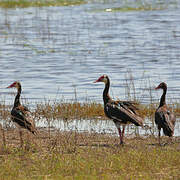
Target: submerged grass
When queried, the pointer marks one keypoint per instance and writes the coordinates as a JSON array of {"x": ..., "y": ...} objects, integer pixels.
[
  {"x": 68, "y": 111},
  {"x": 70, "y": 116},
  {"x": 142, "y": 5},
  {"x": 128, "y": 8},
  {"x": 38, "y": 3},
  {"x": 93, "y": 110},
  {"x": 77, "y": 110}
]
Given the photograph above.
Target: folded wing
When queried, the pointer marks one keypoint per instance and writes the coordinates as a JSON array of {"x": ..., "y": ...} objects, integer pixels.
[
  {"x": 166, "y": 120},
  {"x": 22, "y": 118},
  {"x": 124, "y": 112}
]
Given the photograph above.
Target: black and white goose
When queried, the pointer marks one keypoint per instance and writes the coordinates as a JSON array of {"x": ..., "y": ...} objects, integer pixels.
[
  {"x": 121, "y": 112},
  {"x": 20, "y": 114},
  {"x": 164, "y": 117}
]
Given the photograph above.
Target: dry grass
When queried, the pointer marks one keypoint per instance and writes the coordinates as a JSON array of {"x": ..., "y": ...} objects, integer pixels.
[
  {"x": 79, "y": 111},
  {"x": 70, "y": 111},
  {"x": 73, "y": 155},
  {"x": 54, "y": 154}
]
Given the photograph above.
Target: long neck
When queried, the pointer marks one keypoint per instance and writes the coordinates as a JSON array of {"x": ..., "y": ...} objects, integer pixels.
[
  {"x": 106, "y": 96},
  {"x": 17, "y": 101},
  {"x": 163, "y": 98}
]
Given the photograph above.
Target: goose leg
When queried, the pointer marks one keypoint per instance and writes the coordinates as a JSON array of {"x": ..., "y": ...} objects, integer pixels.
[
  {"x": 120, "y": 135},
  {"x": 159, "y": 135},
  {"x": 123, "y": 134},
  {"x": 118, "y": 125}
]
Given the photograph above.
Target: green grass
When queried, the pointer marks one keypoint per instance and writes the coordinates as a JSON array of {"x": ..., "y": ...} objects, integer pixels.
[
  {"x": 90, "y": 156},
  {"x": 54, "y": 154},
  {"x": 127, "y": 5},
  {"x": 38, "y": 3}
]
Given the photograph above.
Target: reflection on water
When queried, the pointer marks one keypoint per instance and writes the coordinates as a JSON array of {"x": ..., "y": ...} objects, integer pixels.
[{"x": 104, "y": 126}]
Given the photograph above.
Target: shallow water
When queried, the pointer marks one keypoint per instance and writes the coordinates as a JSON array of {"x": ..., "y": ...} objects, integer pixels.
[
  {"x": 57, "y": 52},
  {"x": 104, "y": 127}
]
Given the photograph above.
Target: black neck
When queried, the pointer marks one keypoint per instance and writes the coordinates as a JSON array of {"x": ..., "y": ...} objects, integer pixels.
[
  {"x": 106, "y": 96},
  {"x": 17, "y": 101},
  {"x": 163, "y": 98}
]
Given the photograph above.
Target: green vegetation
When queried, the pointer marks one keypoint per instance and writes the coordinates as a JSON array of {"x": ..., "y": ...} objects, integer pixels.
[
  {"x": 55, "y": 154},
  {"x": 143, "y": 5},
  {"x": 68, "y": 111},
  {"x": 81, "y": 111},
  {"x": 38, "y": 3},
  {"x": 126, "y": 5},
  {"x": 72, "y": 155}
]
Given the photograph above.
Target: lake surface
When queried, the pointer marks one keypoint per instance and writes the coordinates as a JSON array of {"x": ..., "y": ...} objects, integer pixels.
[{"x": 57, "y": 52}]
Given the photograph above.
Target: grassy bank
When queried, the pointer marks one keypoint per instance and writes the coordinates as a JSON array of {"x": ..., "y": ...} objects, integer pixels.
[
  {"x": 80, "y": 111},
  {"x": 38, "y": 3},
  {"x": 68, "y": 111},
  {"x": 71, "y": 155}
]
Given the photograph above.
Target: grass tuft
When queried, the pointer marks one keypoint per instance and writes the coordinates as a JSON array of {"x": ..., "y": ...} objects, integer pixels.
[{"x": 68, "y": 111}]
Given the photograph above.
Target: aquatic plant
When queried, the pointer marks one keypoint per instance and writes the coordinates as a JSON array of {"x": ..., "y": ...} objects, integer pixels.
[
  {"x": 38, "y": 3},
  {"x": 142, "y": 5}
]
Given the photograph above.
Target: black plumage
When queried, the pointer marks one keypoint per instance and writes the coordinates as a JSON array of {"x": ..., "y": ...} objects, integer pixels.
[
  {"x": 164, "y": 117},
  {"x": 18, "y": 116},
  {"x": 121, "y": 112},
  {"x": 19, "y": 113}
]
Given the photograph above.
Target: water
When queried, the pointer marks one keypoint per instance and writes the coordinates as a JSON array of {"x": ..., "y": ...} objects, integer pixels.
[
  {"x": 57, "y": 52},
  {"x": 103, "y": 127}
]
